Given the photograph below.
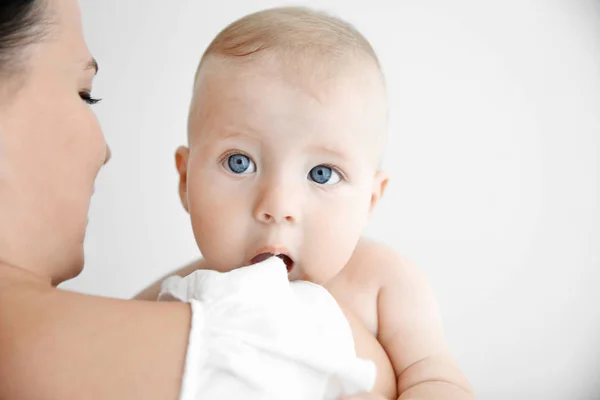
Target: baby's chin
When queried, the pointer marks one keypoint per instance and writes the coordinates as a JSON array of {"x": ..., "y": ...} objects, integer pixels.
[{"x": 320, "y": 278}]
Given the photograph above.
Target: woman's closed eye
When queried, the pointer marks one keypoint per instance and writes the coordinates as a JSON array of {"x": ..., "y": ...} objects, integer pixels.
[
  {"x": 87, "y": 97},
  {"x": 324, "y": 175},
  {"x": 239, "y": 164}
]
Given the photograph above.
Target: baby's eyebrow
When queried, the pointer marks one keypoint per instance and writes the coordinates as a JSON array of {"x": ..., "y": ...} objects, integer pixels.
[
  {"x": 236, "y": 134},
  {"x": 331, "y": 151}
]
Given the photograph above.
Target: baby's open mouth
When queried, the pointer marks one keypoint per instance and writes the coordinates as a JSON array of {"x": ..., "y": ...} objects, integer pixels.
[{"x": 289, "y": 263}]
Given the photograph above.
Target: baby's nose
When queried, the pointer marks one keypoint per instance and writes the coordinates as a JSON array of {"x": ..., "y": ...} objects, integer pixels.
[
  {"x": 276, "y": 205},
  {"x": 271, "y": 217}
]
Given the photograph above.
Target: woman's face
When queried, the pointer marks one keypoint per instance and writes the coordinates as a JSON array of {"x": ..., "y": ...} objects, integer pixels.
[{"x": 51, "y": 150}]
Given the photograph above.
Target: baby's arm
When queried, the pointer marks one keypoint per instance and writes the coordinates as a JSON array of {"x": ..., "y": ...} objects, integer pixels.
[
  {"x": 151, "y": 292},
  {"x": 410, "y": 330}
]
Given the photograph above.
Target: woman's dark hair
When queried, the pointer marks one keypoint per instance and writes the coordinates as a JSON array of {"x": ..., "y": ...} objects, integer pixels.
[{"x": 22, "y": 22}]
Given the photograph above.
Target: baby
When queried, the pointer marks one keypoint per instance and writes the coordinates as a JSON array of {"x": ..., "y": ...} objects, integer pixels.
[{"x": 286, "y": 131}]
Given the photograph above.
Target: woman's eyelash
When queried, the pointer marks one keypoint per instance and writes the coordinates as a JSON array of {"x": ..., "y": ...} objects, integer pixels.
[{"x": 87, "y": 97}]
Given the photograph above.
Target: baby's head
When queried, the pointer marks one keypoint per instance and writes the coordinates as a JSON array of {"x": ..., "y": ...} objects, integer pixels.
[{"x": 286, "y": 131}]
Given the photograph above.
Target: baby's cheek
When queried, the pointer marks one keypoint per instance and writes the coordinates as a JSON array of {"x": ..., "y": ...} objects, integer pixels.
[
  {"x": 349, "y": 223},
  {"x": 331, "y": 240},
  {"x": 219, "y": 232}
]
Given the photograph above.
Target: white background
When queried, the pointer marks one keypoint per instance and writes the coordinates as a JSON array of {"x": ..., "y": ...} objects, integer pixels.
[{"x": 494, "y": 154}]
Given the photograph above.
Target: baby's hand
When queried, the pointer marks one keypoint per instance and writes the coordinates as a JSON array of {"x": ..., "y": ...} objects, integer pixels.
[{"x": 364, "y": 396}]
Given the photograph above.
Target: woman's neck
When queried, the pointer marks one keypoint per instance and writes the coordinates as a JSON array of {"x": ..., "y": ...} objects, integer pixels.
[{"x": 10, "y": 273}]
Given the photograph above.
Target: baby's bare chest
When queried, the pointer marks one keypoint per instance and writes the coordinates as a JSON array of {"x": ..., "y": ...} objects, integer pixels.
[{"x": 359, "y": 304}]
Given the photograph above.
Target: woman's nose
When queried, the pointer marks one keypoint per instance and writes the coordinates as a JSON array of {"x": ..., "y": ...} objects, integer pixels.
[{"x": 107, "y": 155}]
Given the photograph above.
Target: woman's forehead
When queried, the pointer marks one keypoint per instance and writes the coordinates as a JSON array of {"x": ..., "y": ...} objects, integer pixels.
[{"x": 66, "y": 41}]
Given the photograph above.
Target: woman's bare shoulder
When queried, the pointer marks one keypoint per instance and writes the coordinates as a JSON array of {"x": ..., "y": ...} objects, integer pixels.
[{"x": 57, "y": 344}]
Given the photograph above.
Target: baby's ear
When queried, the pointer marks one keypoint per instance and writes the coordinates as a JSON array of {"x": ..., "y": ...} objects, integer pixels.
[
  {"x": 181, "y": 162},
  {"x": 380, "y": 182}
]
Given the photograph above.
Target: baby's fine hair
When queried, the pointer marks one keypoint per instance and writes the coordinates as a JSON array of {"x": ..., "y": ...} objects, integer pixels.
[{"x": 297, "y": 33}]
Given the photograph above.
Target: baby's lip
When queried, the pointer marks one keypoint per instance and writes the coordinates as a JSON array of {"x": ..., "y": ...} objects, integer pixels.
[
  {"x": 261, "y": 257},
  {"x": 270, "y": 252}
]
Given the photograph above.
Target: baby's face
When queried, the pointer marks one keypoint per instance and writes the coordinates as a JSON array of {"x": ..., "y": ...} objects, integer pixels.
[{"x": 282, "y": 164}]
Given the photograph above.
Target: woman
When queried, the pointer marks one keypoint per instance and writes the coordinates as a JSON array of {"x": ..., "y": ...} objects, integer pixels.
[{"x": 55, "y": 344}]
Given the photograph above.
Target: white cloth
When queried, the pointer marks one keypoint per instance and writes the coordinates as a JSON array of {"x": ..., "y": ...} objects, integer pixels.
[{"x": 255, "y": 335}]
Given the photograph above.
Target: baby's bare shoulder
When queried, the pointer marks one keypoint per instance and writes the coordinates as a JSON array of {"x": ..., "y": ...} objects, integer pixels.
[
  {"x": 409, "y": 322},
  {"x": 378, "y": 263}
]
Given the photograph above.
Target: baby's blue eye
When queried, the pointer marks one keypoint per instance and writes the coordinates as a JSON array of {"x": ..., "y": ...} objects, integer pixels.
[
  {"x": 324, "y": 175},
  {"x": 240, "y": 164}
]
